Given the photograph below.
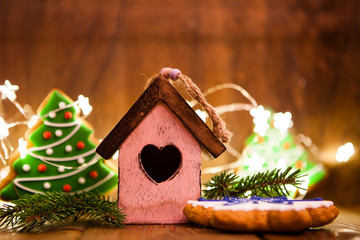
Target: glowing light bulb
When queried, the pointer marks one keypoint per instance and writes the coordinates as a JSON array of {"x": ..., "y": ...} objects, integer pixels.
[
  {"x": 260, "y": 120},
  {"x": 345, "y": 152},
  {"x": 4, "y": 129},
  {"x": 33, "y": 120},
  {"x": 8, "y": 90},
  {"x": 282, "y": 121},
  {"x": 84, "y": 105},
  {"x": 4, "y": 172},
  {"x": 22, "y": 148}
]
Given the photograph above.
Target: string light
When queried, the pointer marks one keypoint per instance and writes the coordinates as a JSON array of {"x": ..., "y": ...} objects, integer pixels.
[
  {"x": 33, "y": 120},
  {"x": 272, "y": 146},
  {"x": 4, "y": 172},
  {"x": 7, "y": 91},
  {"x": 345, "y": 152},
  {"x": 260, "y": 119},
  {"x": 22, "y": 148},
  {"x": 282, "y": 121},
  {"x": 84, "y": 105},
  {"x": 4, "y": 129}
]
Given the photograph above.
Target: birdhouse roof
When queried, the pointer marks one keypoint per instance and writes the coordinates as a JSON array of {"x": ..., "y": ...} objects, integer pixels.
[{"x": 160, "y": 90}]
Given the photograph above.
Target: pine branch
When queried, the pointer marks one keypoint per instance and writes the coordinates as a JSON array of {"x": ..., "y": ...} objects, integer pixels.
[
  {"x": 33, "y": 212},
  {"x": 265, "y": 184},
  {"x": 221, "y": 186}
]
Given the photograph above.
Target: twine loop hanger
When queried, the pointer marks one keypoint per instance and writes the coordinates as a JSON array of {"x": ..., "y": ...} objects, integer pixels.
[{"x": 219, "y": 126}]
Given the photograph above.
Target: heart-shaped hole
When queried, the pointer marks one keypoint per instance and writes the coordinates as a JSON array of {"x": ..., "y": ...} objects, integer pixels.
[{"x": 161, "y": 164}]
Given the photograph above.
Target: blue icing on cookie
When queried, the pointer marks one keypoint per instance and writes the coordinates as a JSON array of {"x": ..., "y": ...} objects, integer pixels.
[
  {"x": 201, "y": 199},
  {"x": 257, "y": 199}
]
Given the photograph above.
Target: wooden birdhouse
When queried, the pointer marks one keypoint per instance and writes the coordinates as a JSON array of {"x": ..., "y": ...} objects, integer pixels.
[{"x": 159, "y": 141}]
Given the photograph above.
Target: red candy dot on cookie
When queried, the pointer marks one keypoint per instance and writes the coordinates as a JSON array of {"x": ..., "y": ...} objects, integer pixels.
[
  {"x": 286, "y": 145},
  {"x": 260, "y": 139},
  {"x": 299, "y": 165},
  {"x": 41, "y": 167},
  {"x": 93, "y": 174},
  {"x": 80, "y": 145},
  {"x": 68, "y": 115},
  {"x": 66, "y": 188},
  {"x": 47, "y": 134}
]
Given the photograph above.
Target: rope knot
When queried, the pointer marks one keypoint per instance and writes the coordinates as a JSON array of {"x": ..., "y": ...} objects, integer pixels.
[
  {"x": 219, "y": 126},
  {"x": 171, "y": 73}
]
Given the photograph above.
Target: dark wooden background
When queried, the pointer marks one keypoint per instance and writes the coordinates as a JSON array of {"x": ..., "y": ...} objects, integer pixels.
[{"x": 300, "y": 56}]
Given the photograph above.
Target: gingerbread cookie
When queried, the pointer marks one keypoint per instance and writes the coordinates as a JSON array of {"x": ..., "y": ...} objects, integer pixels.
[
  {"x": 60, "y": 154},
  {"x": 258, "y": 214}
]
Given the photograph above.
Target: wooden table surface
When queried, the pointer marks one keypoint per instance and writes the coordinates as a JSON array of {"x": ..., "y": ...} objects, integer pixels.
[{"x": 346, "y": 226}]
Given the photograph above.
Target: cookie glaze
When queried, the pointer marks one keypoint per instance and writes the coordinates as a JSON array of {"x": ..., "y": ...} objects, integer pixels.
[
  {"x": 62, "y": 155},
  {"x": 261, "y": 204}
]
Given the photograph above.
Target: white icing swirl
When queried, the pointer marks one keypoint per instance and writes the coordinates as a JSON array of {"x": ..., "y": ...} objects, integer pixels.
[
  {"x": 262, "y": 206},
  {"x": 56, "y": 161},
  {"x": 18, "y": 181}
]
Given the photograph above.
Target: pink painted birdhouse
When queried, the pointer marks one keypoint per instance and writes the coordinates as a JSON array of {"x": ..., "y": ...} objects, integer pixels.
[{"x": 159, "y": 141}]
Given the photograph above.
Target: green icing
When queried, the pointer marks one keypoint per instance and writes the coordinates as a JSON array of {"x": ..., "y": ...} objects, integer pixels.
[
  {"x": 73, "y": 169},
  {"x": 53, "y": 104},
  {"x": 275, "y": 145}
]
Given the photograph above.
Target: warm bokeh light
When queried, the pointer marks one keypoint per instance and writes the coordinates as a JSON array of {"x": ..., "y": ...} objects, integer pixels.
[
  {"x": 260, "y": 119},
  {"x": 4, "y": 129},
  {"x": 22, "y": 147},
  {"x": 282, "y": 121},
  {"x": 8, "y": 90},
  {"x": 84, "y": 105},
  {"x": 345, "y": 152}
]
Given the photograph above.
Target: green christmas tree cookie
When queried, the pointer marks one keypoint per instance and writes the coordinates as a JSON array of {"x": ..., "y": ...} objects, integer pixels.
[
  {"x": 272, "y": 145},
  {"x": 60, "y": 154}
]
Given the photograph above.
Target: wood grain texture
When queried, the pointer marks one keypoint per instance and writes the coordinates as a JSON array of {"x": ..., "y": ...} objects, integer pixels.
[
  {"x": 300, "y": 56},
  {"x": 346, "y": 226},
  {"x": 144, "y": 200},
  {"x": 57, "y": 235},
  {"x": 165, "y": 232}
]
